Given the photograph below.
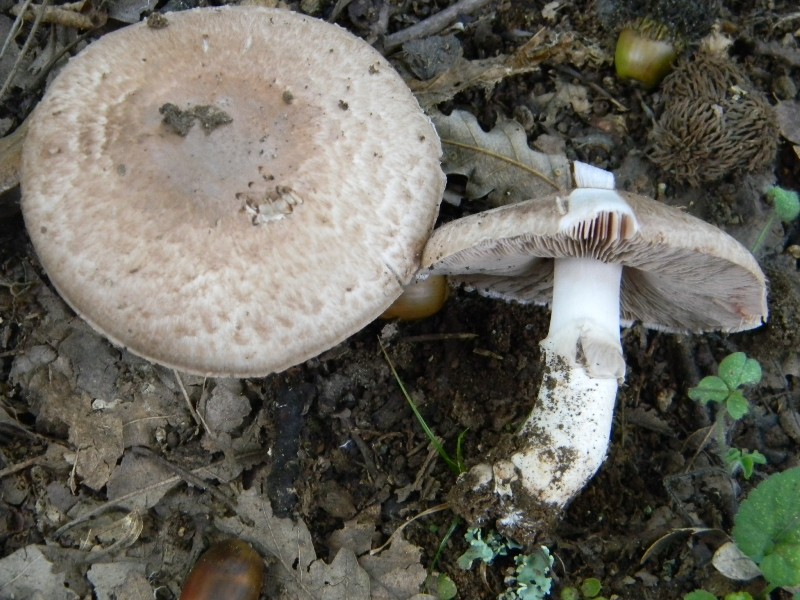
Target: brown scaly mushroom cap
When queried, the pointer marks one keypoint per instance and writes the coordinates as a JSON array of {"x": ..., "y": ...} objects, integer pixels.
[
  {"x": 680, "y": 274},
  {"x": 231, "y": 194}
]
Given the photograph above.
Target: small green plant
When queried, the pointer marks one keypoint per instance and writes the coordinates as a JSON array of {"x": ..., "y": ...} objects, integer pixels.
[
  {"x": 589, "y": 590},
  {"x": 454, "y": 463},
  {"x": 785, "y": 206},
  {"x": 441, "y": 586},
  {"x": 767, "y": 529},
  {"x": 735, "y": 372},
  {"x": 744, "y": 461},
  {"x": 704, "y": 595}
]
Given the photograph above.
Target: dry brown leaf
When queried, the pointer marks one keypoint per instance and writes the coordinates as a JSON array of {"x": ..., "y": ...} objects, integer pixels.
[
  {"x": 649, "y": 419},
  {"x": 464, "y": 74},
  {"x": 139, "y": 474},
  {"x": 135, "y": 587},
  {"x": 353, "y": 535},
  {"x": 98, "y": 440},
  {"x": 499, "y": 164},
  {"x": 297, "y": 573},
  {"x": 546, "y": 46},
  {"x": 11, "y": 156},
  {"x": 28, "y": 573},
  {"x": 733, "y": 564},
  {"x": 120, "y": 579},
  {"x": 395, "y": 573},
  {"x": 226, "y": 407},
  {"x": 788, "y": 113}
]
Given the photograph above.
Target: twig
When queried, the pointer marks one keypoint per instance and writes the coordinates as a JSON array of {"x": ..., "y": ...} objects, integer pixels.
[
  {"x": 569, "y": 71},
  {"x": 195, "y": 415},
  {"x": 188, "y": 476},
  {"x": 132, "y": 526},
  {"x": 369, "y": 463},
  {"x": 25, "y": 47},
  {"x": 424, "y": 471},
  {"x": 786, "y": 18},
  {"x": 337, "y": 9},
  {"x": 424, "y": 513},
  {"x": 112, "y": 504},
  {"x": 12, "y": 33},
  {"x": 122, "y": 499},
  {"x": 66, "y": 15},
  {"x": 23, "y": 465},
  {"x": 439, "y": 337},
  {"x": 433, "y": 24},
  {"x": 44, "y": 73}
]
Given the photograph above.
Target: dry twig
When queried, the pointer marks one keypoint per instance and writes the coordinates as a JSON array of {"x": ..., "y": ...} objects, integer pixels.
[
  {"x": 433, "y": 24},
  {"x": 66, "y": 15}
]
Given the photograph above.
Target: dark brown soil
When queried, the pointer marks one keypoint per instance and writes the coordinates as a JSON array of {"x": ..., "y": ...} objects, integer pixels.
[{"x": 333, "y": 441}]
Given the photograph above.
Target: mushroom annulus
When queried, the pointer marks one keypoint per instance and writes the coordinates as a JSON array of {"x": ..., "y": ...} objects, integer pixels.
[{"x": 596, "y": 255}]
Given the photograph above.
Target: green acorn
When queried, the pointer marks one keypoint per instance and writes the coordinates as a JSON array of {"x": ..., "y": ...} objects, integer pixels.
[{"x": 645, "y": 52}]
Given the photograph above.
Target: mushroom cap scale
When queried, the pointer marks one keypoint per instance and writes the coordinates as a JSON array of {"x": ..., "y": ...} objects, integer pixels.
[
  {"x": 680, "y": 274},
  {"x": 250, "y": 245}
]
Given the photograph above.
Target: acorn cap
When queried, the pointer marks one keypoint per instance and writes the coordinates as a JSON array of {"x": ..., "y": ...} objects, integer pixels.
[
  {"x": 231, "y": 194},
  {"x": 680, "y": 274}
]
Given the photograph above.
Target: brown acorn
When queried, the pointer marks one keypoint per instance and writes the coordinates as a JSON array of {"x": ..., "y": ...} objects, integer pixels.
[
  {"x": 645, "y": 53},
  {"x": 229, "y": 569},
  {"x": 419, "y": 300}
]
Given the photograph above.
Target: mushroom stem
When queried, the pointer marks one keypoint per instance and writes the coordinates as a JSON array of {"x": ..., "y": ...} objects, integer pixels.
[{"x": 565, "y": 439}]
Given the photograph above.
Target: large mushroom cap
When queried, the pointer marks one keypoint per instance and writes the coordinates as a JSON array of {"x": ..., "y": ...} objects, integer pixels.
[
  {"x": 680, "y": 274},
  {"x": 282, "y": 207}
]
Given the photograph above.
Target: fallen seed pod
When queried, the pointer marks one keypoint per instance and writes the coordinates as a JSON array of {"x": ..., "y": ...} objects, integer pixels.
[
  {"x": 715, "y": 123},
  {"x": 419, "y": 300},
  {"x": 229, "y": 569}
]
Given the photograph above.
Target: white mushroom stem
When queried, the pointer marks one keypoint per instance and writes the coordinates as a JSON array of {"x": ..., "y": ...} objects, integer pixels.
[{"x": 565, "y": 438}]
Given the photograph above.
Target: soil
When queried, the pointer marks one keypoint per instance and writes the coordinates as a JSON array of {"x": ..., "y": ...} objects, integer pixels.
[{"x": 87, "y": 428}]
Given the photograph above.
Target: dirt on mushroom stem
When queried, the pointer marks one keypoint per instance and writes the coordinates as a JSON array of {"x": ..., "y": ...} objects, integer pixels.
[{"x": 474, "y": 496}]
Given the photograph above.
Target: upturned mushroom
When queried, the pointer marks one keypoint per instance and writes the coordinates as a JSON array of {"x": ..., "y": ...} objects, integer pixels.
[
  {"x": 233, "y": 193},
  {"x": 595, "y": 255}
]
